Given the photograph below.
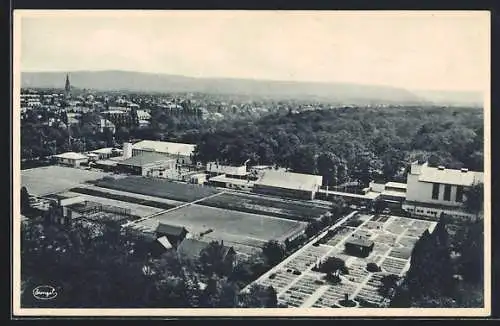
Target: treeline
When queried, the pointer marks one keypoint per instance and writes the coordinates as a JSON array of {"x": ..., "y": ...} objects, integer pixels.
[
  {"x": 446, "y": 269},
  {"x": 112, "y": 270},
  {"x": 351, "y": 143}
]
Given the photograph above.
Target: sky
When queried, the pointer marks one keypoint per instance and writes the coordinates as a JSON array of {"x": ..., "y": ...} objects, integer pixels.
[{"x": 412, "y": 50}]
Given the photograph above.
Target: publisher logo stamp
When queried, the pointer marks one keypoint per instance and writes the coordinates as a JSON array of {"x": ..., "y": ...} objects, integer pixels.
[{"x": 44, "y": 292}]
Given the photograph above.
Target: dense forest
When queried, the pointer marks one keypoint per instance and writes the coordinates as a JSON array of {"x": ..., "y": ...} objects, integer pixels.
[{"x": 351, "y": 143}]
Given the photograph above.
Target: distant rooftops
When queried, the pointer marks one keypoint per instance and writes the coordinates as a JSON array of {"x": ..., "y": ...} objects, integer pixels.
[{"x": 289, "y": 180}]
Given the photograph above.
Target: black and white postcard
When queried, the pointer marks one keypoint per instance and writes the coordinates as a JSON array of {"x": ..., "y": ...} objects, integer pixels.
[{"x": 251, "y": 163}]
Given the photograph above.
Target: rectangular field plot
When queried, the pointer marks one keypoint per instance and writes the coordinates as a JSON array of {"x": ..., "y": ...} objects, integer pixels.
[
  {"x": 386, "y": 238},
  {"x": 294, "y": 210},
  {"x": 159, "y": 188},
  {"x": 52, "y": 179},
  {"x": 357, "y": 272},
  {"x": 302, "y": 290},
  {"x": 401, "y": 253},
  {"x": 420, "y": 224},
  {"x": 393, "y": 266},
  {"x": 138, "y": 210},
  {"x": 339, "y": 236},
  {"x": 331, "y": 297},
  {"x": 408, "y": 241},
  {"x": 415, "y": 232},
  {"x": 123, "y": 198},
  {"x": 395, "y": 227},
  {"x": 280, "y": 281},
  {"x": 307, "y": 258},
  {"x": 369, "y": 294},
  {"x": 243, "y": 227},
  {"x": 370, "y": 225}
]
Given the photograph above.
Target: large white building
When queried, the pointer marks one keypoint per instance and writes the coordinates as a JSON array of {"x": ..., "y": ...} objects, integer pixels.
[
  {"x": 435, "y": 190},
  {"x": 71, "y": 158},
  {"x": 182, "y": 152}
]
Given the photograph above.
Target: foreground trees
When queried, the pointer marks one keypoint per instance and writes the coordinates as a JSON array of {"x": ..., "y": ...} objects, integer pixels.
[
  {"x": 438, "y": 278},
  {"x": 107, "y": 269}
]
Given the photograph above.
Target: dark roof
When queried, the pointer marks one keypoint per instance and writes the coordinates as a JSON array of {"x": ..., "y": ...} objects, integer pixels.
[
  {"x": 192, "y": 248},
  {"x": 359, "y": 242},
  {"x": 145, "y": 158},
  {"x": 170, "y": 229}
]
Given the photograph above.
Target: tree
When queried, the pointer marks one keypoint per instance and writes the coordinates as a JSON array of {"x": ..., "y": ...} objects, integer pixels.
[
  {"x": 333, "y": 266},
  {"x": 258, "y": 296},
  {"x": 313, "y": 228},
  {"x": 474, "y": 198},
  {"x": 389, "y": 284},
  {"x": 213, "y": 260},
  {"x": 25, "y": 201},
  {"x": 372, "y": 267},
  {"x": 327, "y": 167},
  {"x": 274, "y": 252},
  {"x": 338, "y": 207}
]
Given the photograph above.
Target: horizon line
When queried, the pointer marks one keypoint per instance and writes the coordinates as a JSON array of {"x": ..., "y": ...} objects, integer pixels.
[{"x": 479, "y": 92}]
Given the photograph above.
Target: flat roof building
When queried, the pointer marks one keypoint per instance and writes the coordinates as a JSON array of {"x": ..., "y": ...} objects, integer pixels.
[
  {"x": 71, "y": 159},
  {"x": 183, "y": 152},
  {"x": 143, "y": 164},
  {"x": 435, "y": 190},
  {"x": 288, "y": 184}
]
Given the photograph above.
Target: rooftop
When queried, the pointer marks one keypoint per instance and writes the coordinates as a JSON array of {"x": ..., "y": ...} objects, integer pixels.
[
  {"x": 396, "y": 185},
  {"x": 241, "y": 182},
  {"x": 289, "y": 180},
  {"x": 227, "y": 169},
  {"x": 166, "y": 147},
  {"x": 145, "y": 159},
  {"x": 170, "y": 229},
  {"x": 449, "y": 176},
  {"x": 359, "y": 242},
  {"x": 107, "y": 162},
  {"x": 192, "y": 248},
  {"x": 71, "y": 156},
  {"x": 106, "y": 150}
]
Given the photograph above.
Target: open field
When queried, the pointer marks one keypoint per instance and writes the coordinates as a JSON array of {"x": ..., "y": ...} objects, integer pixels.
[
  {"x": 51, "y": 179},
  {"x": 289, "y": 209},
  {"x": 158, "y": 188},
  {"x": 394, "y": 237},
  {"x": 243, "y": 228}
]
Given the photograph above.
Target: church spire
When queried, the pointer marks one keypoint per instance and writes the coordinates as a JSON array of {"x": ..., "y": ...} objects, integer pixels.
[{"x": 67, "y": 86}]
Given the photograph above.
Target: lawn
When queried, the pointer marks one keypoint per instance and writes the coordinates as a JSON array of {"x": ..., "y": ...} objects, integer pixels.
[
  {"x": 238, "y": 227},
  {"x": 52, "y": 179},
  {"x": 158, "y": 188},
  {"x": 288, "y": 209}
]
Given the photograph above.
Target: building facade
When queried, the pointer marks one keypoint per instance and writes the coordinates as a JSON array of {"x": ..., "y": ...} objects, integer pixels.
[{"x": 435, "y": 190}]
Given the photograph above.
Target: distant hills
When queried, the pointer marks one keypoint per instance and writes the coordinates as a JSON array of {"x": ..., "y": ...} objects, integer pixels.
[{"x": 342, "y": 93}]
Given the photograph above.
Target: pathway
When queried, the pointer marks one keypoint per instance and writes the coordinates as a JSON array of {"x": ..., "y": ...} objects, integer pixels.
[{"x": 170, "y": 210}]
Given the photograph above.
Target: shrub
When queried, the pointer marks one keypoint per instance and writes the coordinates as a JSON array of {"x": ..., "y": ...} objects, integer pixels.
[{"x": 372, "y": 267}]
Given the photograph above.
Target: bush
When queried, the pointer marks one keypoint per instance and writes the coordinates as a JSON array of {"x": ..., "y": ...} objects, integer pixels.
[{"x": 373, "y": 268}]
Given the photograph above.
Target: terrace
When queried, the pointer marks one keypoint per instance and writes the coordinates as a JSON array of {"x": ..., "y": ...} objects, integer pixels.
[{"x": 301, "y": 287}]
